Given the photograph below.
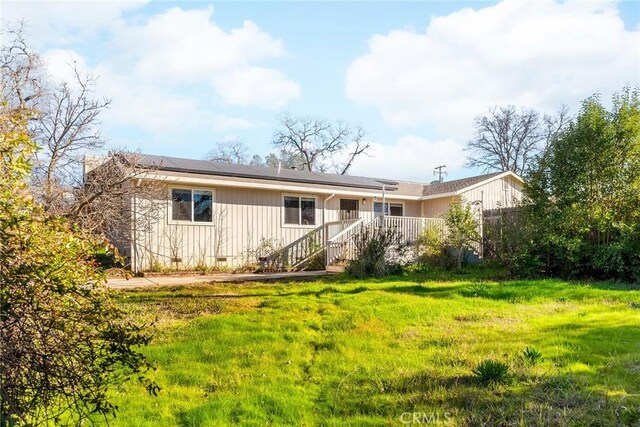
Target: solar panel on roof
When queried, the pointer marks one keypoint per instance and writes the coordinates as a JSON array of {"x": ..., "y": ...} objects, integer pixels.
[{"x": 246, "y": 171}]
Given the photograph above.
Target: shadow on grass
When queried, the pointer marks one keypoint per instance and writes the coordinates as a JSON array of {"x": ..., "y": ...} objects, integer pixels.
[
  {"x": 423, "y": 290},
  {"x": 147, "y": 297},
  {"x": 559, "y": 400},
  {"x": 411, "y": 289},
  {"x": 599, "y": 346},
  {"x": 528, "y": 290},
  {"x": 470, "y": 284}
]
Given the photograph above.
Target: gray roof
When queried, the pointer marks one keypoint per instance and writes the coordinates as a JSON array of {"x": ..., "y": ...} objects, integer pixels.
[
  {"x": 207, "y": 167},
  {"x": 455, "y": 185}
]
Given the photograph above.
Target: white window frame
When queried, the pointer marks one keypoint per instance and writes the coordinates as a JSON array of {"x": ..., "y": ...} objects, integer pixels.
[
  {"x": 373, "y": 207},
  {"x": 299, "y": 225},
  {"x": 170, "y": 219}
]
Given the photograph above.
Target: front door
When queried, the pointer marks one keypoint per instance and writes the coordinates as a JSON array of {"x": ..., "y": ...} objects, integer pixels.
[{"x": 349, "y": 209}]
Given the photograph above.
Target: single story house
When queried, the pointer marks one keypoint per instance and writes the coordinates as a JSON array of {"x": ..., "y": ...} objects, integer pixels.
[{"x": 227, "y": 215}]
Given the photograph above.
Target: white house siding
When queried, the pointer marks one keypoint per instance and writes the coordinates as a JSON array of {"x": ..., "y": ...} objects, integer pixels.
[
  {"x": 436, "y": 208},
  {"x": 242, "y": 217},
  {"x": 504, "y": 192}
]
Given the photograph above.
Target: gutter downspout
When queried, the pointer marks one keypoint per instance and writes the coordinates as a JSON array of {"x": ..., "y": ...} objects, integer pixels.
[{"x": 325, "y": 236}]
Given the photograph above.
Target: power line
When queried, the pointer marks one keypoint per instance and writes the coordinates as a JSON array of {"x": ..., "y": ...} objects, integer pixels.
[{"x": 438, "y": 170}]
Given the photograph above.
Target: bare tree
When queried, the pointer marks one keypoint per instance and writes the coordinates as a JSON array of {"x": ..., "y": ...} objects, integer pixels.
[
  {"x": 114, "y": 193},
  {"x": 22, "y": 77},
  {"x": 66, "y": 130},
  {"x": 65, "y": 121},
  {"x": 509, "y": 139},
  {"x": 232, "y": 151},
  {"x": 554, "y": 125},
  {"x": 320, "y": 145}
]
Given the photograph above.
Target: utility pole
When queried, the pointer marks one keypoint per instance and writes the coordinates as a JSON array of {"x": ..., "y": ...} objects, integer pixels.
[{"x": 440, "y": 172}]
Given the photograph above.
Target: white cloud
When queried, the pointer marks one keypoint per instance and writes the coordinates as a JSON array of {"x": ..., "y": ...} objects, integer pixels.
[
  {"x": 261, "y": 87},
  {"x": 67, "y": 22},
  {"x": 155, "y": 108},
  {"x": 187, "y": 47},
  {"x": 410, "y": 158},
  {"x": 60, "y": 64},
  {"x": 177, "y": 69},
  {"x": 538, "y": 54}
]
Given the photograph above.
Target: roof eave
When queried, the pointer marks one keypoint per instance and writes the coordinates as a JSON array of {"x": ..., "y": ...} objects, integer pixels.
[
  {"x": 228, "y": 181},
  {"x": 485, "y": 181},
  {"x": 471, "y": 187},
  {"x": 295, "y": 181}
]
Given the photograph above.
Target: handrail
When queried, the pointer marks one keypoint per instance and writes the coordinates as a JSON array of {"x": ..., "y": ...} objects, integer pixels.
[
  {"x": 299, "y": 250},
  {"x": 408, "y": 230},
  {"x": 346, "y": 230},
  {"x": 340, "y": 225},
  {"x": 343, "y": 248},
  {"x": 341, "y": 245}
]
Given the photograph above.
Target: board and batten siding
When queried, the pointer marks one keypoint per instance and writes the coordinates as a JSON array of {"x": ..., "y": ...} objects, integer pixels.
[
  {"x": 499, "y": 193},
  {"x": 243, "y": 219},
  {"x": 436, "y": 208},
  {"x": 503, "y": 192}
]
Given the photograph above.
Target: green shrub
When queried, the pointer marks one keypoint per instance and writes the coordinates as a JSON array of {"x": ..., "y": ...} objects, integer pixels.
[
  {"x": 583, "y": 210},
  {"x": 432, "y": 249},
  {"x": 64, "y": 342},
  {"x": 371, "y": 254},
  {"x": 462, "y": 230},
  {"x": 491, "y": 372}
]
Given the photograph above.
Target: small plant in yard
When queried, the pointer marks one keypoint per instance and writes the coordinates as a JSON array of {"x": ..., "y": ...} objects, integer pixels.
[
  {"x": 491, "y": 371},
  {"x": 476, "y": 290},
  {"x": 531, "y": 355}
]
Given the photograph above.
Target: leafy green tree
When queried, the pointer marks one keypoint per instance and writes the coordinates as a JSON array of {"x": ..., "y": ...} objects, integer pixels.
[
  {"x": 462, "y": 229},
  {"x": 63, "y": 341},
  {"x": 584, "y": 196}
]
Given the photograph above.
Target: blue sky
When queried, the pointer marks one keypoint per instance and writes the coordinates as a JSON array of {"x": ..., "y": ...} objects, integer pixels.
[{"x": 183, "y": 76}]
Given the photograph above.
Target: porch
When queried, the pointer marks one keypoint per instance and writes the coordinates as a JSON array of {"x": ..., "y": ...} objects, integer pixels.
[{"x": 335, "y": 242}]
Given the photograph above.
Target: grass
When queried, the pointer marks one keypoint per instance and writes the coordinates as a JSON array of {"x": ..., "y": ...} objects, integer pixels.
[{"x": 341, "y": 352}]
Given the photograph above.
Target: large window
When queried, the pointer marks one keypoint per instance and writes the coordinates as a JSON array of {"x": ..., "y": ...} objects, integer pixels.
[
  {"x": 191, "y": 205},
  {"x": 391, "y": 209},
  {"x": 299, "y": 210}
]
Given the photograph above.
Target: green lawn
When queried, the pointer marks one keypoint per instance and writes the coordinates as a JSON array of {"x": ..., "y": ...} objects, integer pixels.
[{"x": 341, "y": 352}]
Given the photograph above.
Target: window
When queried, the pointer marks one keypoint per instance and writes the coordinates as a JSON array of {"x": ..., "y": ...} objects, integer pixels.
[
  {"x": 181, "y": 205},
  {"x": 202, "y": 206},
  {"x": 299, "y": 210},
  {"x": 191, "y": 205},
  {"x": 392, "y": 209},
  {"x": 349, "y": 209}
]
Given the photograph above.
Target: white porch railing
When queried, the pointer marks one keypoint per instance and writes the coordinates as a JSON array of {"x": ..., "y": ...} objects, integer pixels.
[
  {"x": 339, "y": 240},
  {"x": 408, "y": 228},
  {"x": 342, "y": 247},
  {"x": 296, "y": 254},
  {"x": 336, "y": 227}
]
